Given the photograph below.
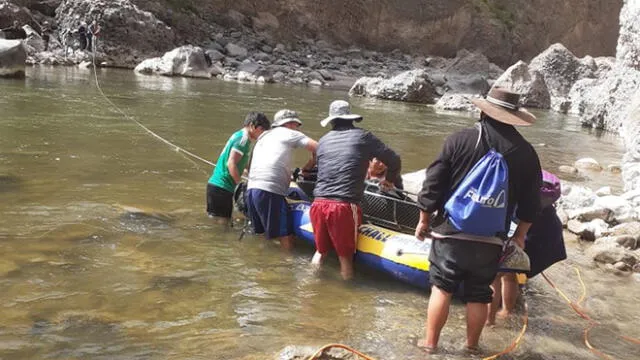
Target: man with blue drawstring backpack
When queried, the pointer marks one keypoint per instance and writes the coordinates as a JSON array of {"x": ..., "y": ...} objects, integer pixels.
[{"x": 481, "y": 176}]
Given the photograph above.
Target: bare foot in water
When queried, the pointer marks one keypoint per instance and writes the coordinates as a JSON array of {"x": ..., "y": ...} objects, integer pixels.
[
  {"x": 504, "y": 314},
  {"x": 422, "y": 344},
  {"x": 472, "y": 350}
]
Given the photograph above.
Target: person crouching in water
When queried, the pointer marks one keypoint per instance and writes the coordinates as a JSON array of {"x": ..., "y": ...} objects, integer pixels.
[
  {"x": 343, "y": 158},
  {"x": 270, "y": 176},
  {"x": 544, "y": 245},
  {"x": 230, "y": 166},
  {"x": 456, "y": 256}
]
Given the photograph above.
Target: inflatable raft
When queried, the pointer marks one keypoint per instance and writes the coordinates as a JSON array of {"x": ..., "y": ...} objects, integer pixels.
[
  {"x": 384, "y": 243},
  {"x": 398, "y": 255}
]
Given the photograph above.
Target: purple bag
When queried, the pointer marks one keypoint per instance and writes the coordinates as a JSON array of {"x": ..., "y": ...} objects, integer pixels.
[{"x": 550, "y": 191}]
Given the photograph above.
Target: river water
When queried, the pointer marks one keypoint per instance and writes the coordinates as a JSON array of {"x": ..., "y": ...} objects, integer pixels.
[{"x": 84, "y": 275}]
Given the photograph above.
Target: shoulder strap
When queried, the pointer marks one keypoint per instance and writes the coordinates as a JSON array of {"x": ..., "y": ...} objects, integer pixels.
[{"x": 479, "y": 127}]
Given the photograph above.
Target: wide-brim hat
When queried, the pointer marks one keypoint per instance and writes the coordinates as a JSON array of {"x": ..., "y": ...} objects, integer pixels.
[
  {"x": 340, "y": 109},
  {"x": 285, "y": 116},
  {"x": 504, "y": 106}
]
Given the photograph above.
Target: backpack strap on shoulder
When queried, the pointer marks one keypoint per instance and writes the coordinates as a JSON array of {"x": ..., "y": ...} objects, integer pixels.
[{"x": 479, "y": 127}]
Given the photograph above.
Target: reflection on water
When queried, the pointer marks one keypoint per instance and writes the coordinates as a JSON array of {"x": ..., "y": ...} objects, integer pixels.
[{"x": 107, "y": 252}]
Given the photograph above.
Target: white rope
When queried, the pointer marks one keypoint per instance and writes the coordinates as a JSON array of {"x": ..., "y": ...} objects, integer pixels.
[{"x": 176, "y": 147}]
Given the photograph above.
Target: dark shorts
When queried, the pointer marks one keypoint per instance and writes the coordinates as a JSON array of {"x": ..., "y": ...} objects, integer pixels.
[
  {"x": 268, "y": 213},
  {"x": 335, "y": 225},
  {"x": 219, "y": 201},
  {"x": 456, "y": 261}
]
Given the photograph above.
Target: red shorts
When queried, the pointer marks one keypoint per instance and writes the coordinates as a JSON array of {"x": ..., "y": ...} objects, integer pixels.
[{"x": 335, "y": 225}]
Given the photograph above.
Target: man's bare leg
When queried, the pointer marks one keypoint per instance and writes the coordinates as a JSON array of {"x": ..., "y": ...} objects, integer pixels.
[
  {"x": 286, "y": 242},
  {"x": 318, "y": 259},
  {"x": 437, "y": 314},
  {"x": 496, "y": 286},
  {"x": 476, "y": 317},
  {"x": 346, "y": 267},
  {"x": 510, "y": 292}
]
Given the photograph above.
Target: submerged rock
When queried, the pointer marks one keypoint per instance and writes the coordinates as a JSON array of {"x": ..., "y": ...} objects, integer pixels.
[
  {"x": 305, "y": 352},
  {"x": 13, "y": 56},
  {"x": 610, "y": 252},
  {"x": 9, "y": 183},
  {"x": 588, "y": 164}
]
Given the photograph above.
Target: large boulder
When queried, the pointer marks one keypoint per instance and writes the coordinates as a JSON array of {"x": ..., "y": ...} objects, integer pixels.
[
  {"x": 128, "y": 33},
  {"x": 473, "y": 63},
  {"x": 13, "y": 55},
  {"x": 604, "y": 104},
  {"x": 457, "y": 102},
  {"x": 561, "y": 69},
  {"x": 411, "y": 86},
  {"x": 576, "y": 197},
  {"x": 10, "y": 12},
  {"x": 622, "y": 209},
  {"x": 186, "y": 61},
  {"x": 530, "y": 84}
]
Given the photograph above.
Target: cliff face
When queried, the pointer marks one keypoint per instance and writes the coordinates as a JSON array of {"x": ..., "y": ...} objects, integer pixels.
[{"x": 504, "y": 30}]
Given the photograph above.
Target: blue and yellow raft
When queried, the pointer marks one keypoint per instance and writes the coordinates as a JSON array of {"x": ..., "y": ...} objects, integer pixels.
[{"x": 398, "y": 255}]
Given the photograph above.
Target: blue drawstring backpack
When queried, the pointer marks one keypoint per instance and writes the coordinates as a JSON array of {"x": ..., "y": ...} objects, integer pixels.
[{"x": 478, "y": 206}]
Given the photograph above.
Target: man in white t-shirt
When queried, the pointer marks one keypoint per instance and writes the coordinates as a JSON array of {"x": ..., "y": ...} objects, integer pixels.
[{"x": 270, "y": 175}]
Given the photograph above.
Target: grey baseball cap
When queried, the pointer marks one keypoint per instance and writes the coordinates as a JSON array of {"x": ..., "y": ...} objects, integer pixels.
[{"x": 284, "y": 116}]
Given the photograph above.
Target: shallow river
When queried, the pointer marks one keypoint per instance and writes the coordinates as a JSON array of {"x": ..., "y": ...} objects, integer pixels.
[{"x": 84, "y": 277}]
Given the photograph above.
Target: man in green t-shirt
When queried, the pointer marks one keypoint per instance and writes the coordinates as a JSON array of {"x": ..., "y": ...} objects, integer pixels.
[{"x": 231, "y": 163}]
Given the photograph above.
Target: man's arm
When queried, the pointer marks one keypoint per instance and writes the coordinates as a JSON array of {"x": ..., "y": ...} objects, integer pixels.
[
  {"x": 388, "y": 157},
  {"x": 434, "y": 188},
  {"x": 312, "y": 146},
  {"x": 232, "y": 165}
]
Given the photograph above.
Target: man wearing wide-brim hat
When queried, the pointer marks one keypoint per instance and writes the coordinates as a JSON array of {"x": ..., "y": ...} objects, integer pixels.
[
  {"x": 270, "y": 175},
  {"x": 343, "y": 159},
  {"x": 458, "y": 257}
]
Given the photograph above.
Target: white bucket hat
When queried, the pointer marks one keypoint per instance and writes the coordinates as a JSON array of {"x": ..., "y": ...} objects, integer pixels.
[
  {"x": 285, "y": 116},
  {"x": 340, "y": 109}
]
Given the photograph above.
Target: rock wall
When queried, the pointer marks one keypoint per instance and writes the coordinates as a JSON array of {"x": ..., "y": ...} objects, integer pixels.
[
  {"x": 612, "y": 102},
  {"x": 128, "y": 32},
  {"x": 503, "y": 30}
]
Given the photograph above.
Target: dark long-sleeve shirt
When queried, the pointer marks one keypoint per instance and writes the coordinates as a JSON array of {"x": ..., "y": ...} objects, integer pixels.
[
  {"x": 458, "y": 157},
  {"x": 343, "y": 157}
]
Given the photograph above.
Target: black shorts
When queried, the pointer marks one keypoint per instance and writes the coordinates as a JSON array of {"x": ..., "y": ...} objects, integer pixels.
[
  {"x": 473, "y": 263},
  {"x": 219, "y": 201}
]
